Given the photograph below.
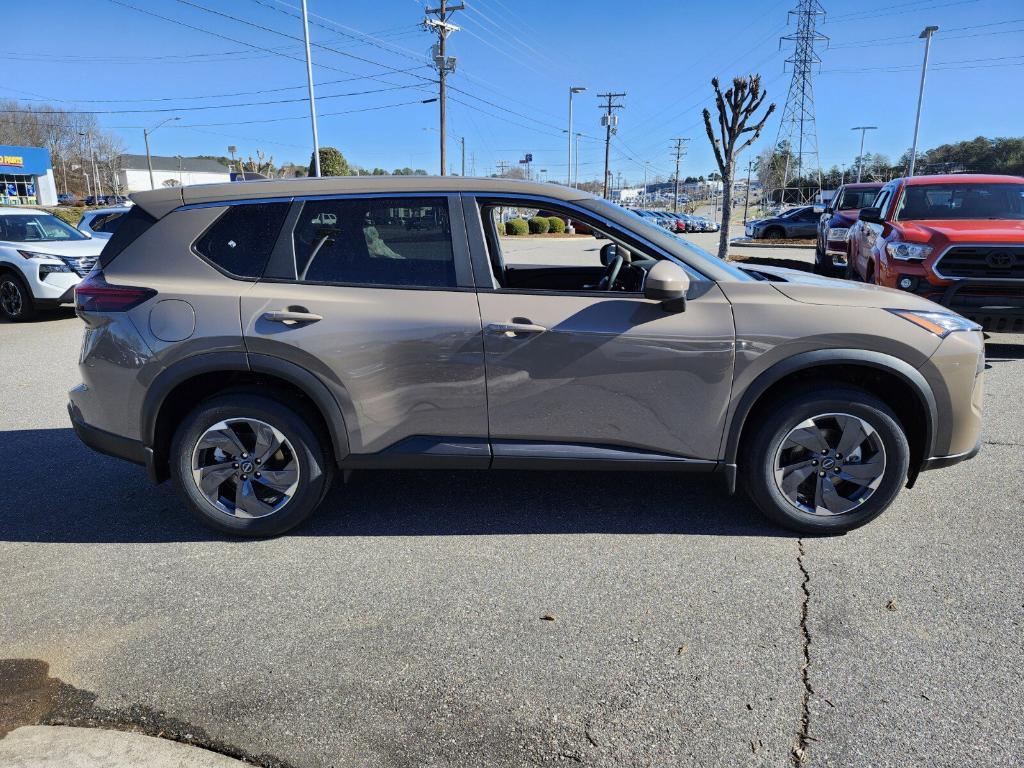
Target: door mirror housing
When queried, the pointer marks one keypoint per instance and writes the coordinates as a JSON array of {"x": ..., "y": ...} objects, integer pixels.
[
  {"x": 668, "y": 283},
  {"x": 872, "y": 215},
  {"x": 608, "y": 254}
]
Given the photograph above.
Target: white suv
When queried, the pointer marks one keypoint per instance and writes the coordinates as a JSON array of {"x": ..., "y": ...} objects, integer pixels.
[{"x": 42, "y": 259}]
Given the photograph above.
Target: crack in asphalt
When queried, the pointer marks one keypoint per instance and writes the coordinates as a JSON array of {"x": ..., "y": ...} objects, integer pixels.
[
  {"x": 803, "y": 735},
  {"x": 1001, "y": 442}
]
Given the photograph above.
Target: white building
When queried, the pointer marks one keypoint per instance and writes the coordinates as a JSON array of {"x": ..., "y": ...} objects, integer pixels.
[
  {"x": 133, "y": 173},
  {"x": 627, "y": 194}
]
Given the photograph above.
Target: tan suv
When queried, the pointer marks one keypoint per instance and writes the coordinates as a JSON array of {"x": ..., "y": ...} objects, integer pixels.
[{"x": 250, "y": 339}]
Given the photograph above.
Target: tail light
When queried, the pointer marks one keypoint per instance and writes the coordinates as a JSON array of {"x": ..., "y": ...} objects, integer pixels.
[{"x": 95, "y": 294}]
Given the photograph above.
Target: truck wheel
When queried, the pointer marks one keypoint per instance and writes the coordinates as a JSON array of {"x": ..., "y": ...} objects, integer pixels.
[
  {"x": 249, "y": 466},
  {"x": 826, "y": 461},
  {"x": 16, "y": 303}
]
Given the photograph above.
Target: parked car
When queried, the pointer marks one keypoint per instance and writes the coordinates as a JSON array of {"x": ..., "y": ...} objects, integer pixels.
[
  {"x": 66, "y": 199},
  {"x": 101, "y": 222},
  {"x": 796, "y": 223},
  {"x": 42, "y": 258},
  {"x": 832, "y": 247},
  {"x": 709, "y": 225},
  {"x": 241, "y": 347},
  {"x": 957, "y": 240}
]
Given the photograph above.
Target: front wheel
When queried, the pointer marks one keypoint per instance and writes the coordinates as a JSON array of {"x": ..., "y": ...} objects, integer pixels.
[
  {"x": 775, "y": 233},
  {"x": 16, "y": 302},
  {"x": 826, "y": 461},
  {"x": 249, "y": 466}
]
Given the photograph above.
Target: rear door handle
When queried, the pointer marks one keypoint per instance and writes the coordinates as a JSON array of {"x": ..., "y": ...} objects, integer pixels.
[
  {"x": 515, "y": 328},
  {"x": 291, "y": 317}
]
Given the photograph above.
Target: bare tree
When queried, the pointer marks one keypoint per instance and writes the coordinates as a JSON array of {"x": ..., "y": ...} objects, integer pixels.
[{"x": 736, "y": 107}]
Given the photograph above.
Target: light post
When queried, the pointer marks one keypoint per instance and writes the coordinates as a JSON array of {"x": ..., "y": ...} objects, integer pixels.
[
  {"x": 925, "y": 35},
  {"x": 180, "y": 180},
  {"x": 568, "y": 171},
  {"x": 860, "y": 157},
  {"x": 643, "y": 197},
  {"x": 576, "y": 169},
  {"x": 149, "y": 158},
  {"x": 95, "y": 173},
  {"x": 312, "y": 99}
]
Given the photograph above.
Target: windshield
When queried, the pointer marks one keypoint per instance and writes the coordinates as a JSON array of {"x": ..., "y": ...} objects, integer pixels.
[
  {"x": 961, "y": 201},
  {"x": 36, "y": 228},
  {"x": 855, "y": 199},
  {"x": 648, "y": 229},
  {"x": 791, "y": 212}
]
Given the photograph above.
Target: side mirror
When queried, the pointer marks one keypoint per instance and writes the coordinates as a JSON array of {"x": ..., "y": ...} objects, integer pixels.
[
  {"x": 872, "y": 215},
  {"x": 668, "y": 283},
  {"x": 609, "y": 253}
]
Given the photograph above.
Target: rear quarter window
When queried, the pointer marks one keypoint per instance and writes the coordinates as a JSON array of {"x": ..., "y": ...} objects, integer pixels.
[
  {"x": 129, "y": 228},
  {"x": 241, "y": 240}
]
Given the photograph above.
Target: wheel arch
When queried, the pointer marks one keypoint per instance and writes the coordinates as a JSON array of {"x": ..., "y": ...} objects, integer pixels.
[
  {"x": 892, "y": 380},
  {"x": 177, "y": 389}
]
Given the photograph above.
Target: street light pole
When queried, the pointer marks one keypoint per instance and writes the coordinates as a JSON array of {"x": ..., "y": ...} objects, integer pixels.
[
  {"x": 95, "y": 173},
  {"x": 312, "y": 98},
  {"x": 568, "y": 171},
  {"x": 746, "y": 198},
  {"x": 860, "y": 158},
  {"x": 576, "y": 169},
  {"x": 149, "y": 158},
  {"x": 926, "y": 35}
]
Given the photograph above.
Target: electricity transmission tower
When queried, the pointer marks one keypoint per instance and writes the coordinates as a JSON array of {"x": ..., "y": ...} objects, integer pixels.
[
  {"x": 444, "y": 63},
  {"x": 798, "y": 135},
  {"x": 610, "y": 121},
  {"x": 680, "y": 151}
]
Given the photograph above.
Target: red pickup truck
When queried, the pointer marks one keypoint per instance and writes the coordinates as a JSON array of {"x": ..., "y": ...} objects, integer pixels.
[{"x": 957, "y": 240}]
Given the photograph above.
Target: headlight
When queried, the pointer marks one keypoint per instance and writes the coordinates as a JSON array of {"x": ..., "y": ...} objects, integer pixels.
[
  {"x": 49, "y": 269},
  {"x": 940, "y": 323},
  {"x": 838, "y": 233},
  {"x": 36, "y": 256},
  {"x": 908, "y": 251}
]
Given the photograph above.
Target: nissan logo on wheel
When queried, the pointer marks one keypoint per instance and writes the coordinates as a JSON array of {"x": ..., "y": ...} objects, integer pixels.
[{"x": 1000, "y": 259}]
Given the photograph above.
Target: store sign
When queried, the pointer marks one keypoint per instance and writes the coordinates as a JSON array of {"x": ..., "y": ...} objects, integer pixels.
[{"x": 16, "y": 161}]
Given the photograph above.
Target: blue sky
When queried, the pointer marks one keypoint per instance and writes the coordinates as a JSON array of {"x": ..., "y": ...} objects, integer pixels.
[{"x": 516, "y": 60}]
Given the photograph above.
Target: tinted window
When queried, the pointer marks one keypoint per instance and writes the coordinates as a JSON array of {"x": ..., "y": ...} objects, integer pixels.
[
  {"x": 106, "y": 223},
  {"x": 855, "y": 199},
  {"x": 241, "y": 240},
  {"x": 380, "y": 241},
  {"x": 130, "y": 226}
]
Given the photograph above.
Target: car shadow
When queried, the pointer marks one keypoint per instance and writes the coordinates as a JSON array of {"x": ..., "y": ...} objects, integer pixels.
[
  {"x": 1002, "y": 352},
  {"x": 768, "y": 261},
  {"x": 44, "y": 316},
  {"x": 59, "y": 491}
]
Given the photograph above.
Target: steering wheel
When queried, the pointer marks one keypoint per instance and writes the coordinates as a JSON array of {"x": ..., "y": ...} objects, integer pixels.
[{"x": 611, "y": 274}]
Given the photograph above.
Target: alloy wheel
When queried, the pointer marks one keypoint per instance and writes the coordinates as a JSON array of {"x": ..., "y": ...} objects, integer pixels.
[
  {"x": 245, "y": 467},
  {"x": 10, "y": 298},
  {"x": 830, "y": 464}
]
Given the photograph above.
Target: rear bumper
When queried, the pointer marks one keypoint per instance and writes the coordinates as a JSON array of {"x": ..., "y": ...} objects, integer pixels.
[{"x": 108, "y": 443}]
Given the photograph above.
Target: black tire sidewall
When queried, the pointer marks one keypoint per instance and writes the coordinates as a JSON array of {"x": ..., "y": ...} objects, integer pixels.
[
  {"x": 28, "y": 309},
  {"x": 314, "y": 474},
  {"x": 758, "y": 469}
]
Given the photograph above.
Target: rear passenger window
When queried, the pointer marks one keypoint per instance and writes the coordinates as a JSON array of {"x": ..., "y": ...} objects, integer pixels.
[
  {"x": 128, "y": 230},
  {"x": 378, "y": 241},
  {"x": 106, "y": 223},
  {"x": 241, "y": 240}
]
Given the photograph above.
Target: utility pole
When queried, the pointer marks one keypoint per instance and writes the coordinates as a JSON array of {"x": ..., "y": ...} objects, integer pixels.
[
  {"x": 149, "y": 158},
  {"x": 860, "y": 158},
  {"x": 610, "y": 121},
  {"x": 95, "y": 173},
  {"x": 680, "y": 153},
  {"x": 576, "y": 170},
  {"x": 312, "y": 98},
  {"x": 643, "y": 197},
  {"x": 503, "y": 166},
  {"x": 462, "y": 142},
  {"x": 746, "y": 199},
  {"x": 568, "y": 171},
  {"x": 926, "y": 35},
  {"x": 444, "y": 63}
]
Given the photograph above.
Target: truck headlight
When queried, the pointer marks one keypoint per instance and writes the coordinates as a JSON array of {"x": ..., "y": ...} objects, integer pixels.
[
  {"x": 838, "y": 233},
  {"x": 908, "y": 251}
]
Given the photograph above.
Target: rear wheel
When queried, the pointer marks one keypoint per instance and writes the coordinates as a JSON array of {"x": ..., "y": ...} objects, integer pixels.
[
  {"x": 826, "y": 461},
  {"x": 249, "y": 465},
  {"x": 16, "y": 303},
  {"x": 774, "y": 233}
]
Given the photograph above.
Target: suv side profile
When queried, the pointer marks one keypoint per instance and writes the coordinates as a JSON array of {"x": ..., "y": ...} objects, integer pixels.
[
  {"x": 250, "y": 340},
  {"x": 955, "y": 239}
]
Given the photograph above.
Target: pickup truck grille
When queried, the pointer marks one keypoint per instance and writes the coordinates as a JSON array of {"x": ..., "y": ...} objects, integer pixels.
[
  {"x": 982, "y": 262},
  {"x": 81, "y": 265}
]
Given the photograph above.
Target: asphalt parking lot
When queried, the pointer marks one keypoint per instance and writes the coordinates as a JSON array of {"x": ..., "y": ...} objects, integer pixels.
[{"x": 500, "y": 619}]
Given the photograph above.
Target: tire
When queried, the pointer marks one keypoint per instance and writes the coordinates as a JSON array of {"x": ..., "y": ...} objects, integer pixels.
[
  {"x": 302, "y": 465},
  {"x": 850, "y": 504},
  {"x": 16, "y": 302},
  {"x": 774, "y": 233}
]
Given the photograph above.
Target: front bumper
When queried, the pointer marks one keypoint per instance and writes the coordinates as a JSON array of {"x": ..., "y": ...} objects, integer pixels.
[
  {"x": 995, "y": 305},
  {"x": 940, "y": 462}
]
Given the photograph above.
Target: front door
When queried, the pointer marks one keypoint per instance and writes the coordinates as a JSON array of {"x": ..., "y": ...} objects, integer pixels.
[
  {"x": 374, "y": 296},
  {"x": 573, "y": 371}
]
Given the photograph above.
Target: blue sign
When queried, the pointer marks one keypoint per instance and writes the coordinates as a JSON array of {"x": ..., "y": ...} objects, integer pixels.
[{"x": 26, "y": 161}]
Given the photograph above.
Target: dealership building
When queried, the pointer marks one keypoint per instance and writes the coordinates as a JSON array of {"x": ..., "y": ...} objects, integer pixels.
[
  {"x": 133, "y": 173},
  {"x": 26, "y": 176}
]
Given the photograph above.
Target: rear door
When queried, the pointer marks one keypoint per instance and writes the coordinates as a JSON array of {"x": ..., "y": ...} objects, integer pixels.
[{"x": 374, "y": 295}]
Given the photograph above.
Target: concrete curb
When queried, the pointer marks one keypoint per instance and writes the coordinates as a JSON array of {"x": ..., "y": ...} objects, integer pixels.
[
  {"x": 750, "y": 244},
  {"x": 48, "y": 746}
]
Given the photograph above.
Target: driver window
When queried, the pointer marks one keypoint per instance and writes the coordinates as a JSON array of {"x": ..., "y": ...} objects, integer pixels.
[{"x": 550, "y": 250}]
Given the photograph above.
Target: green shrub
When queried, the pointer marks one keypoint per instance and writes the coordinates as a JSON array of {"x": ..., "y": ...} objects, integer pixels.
[
  {"x": 538, "y": 225},
  {"x": 69, "y": 214},
  {"x": 516, "y": 227},
  {"x": 555, "y": 224}
]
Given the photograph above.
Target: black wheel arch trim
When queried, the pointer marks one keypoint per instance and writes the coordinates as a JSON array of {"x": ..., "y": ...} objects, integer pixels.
[
  {"x": 823, "y": 357},
  {"x": 212, "y": 362}
]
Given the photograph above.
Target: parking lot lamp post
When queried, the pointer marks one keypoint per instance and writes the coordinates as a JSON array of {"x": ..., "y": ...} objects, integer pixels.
[
  {"x": 95, "y": 172},
  {"x": 925, "y": 35},
  {"x": 312, "y": 99},
  {"x": 860, "y": 157},
  {"x": 576, "y": 169},
  {"x": 568, "y": 171},
  {"x": 149, "y": 158}
]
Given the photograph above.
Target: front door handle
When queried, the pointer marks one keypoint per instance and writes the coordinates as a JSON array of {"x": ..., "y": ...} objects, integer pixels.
[
  {"x": 291, "y": 317},
  {"x": 513, "y": 329}
]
